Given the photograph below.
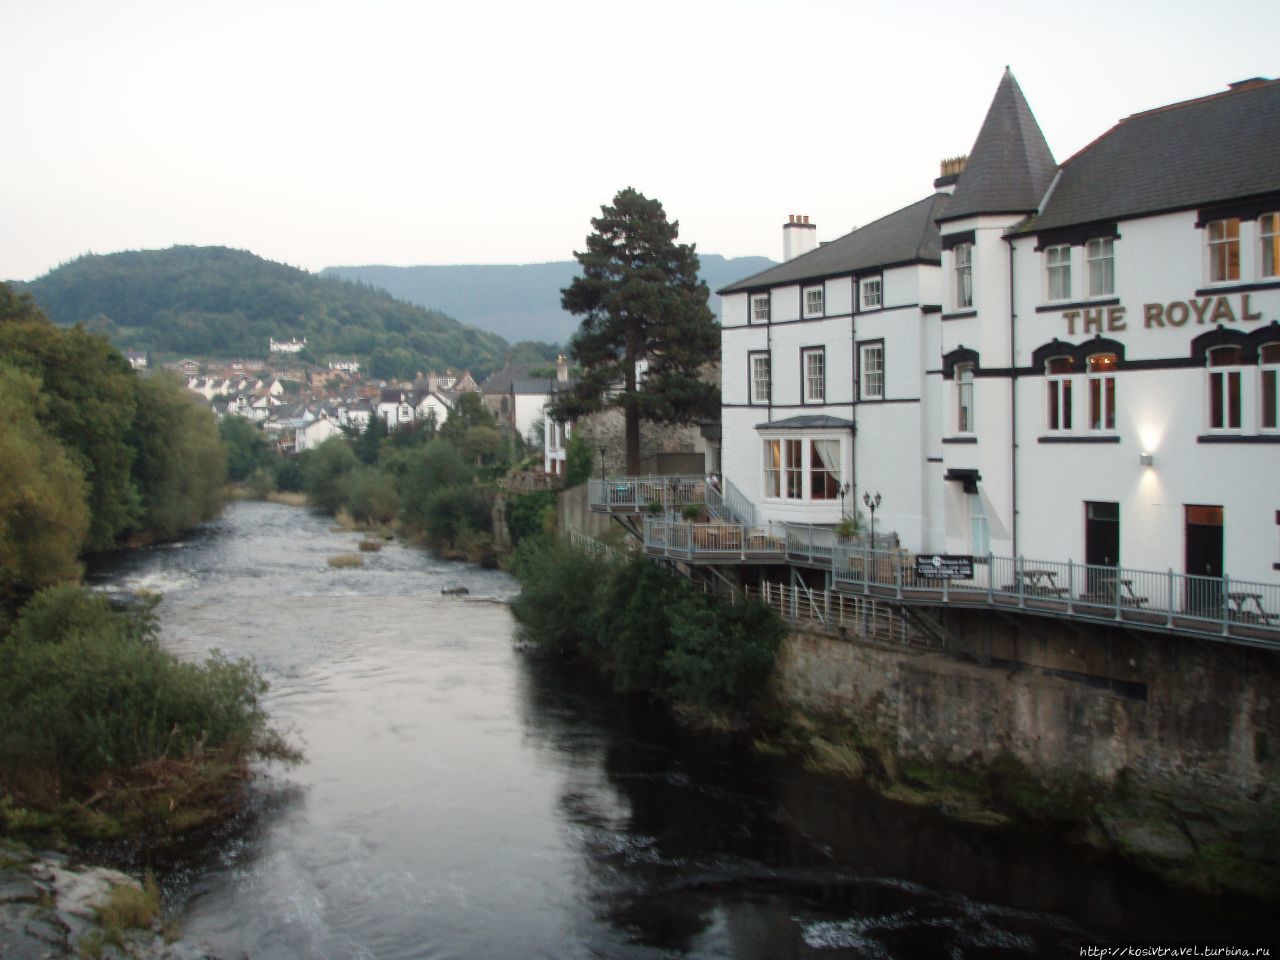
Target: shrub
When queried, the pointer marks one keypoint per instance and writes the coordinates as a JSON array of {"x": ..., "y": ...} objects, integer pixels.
[
  {"x": 577, "y": 461},
  {"x": 372, "y": 496},
  {"x": 326, "y": 473},
  {"x": 448, "y": 512},
  {"x": 557, "y": 604},
  {"x": 84, "y": 695},
  {"x": 527, "y": 513}
]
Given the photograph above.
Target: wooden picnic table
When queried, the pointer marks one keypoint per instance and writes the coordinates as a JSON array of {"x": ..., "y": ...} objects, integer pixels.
[
  {"x": 1104, "y": 592},
  {"x": 1247, "y": 608},
  {"x": 1037, "y": 580}
]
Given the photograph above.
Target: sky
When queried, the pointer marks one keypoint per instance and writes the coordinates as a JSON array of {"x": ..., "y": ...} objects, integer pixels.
[{"x": 327, "y": 133}]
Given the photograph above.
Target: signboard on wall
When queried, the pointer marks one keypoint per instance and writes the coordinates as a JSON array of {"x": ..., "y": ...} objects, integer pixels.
[{"x": 941, "y": 566}]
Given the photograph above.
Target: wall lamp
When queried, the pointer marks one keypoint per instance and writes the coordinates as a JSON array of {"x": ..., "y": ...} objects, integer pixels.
[{"x": 1146, "y": 459}]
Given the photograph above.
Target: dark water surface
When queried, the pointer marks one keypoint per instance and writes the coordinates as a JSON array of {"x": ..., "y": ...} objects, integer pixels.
[{"x": 463, "y": 799}]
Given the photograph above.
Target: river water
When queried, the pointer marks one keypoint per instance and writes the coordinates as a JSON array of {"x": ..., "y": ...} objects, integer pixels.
[{"x": 461, "y": 798}]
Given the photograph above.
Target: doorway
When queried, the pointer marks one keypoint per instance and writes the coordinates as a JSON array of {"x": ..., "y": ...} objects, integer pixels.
[
  {"x": 1203, "y": 559},
  {"x": 1101, "y": 547}
]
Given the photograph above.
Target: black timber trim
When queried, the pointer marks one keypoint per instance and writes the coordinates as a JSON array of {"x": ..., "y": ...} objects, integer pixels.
[
  {"x": 959, "y": 439},
  {"x": 1238, "y": 288},
  {"x": 1079, "y": 354},
  {"x": 1079, "y": 439},
  {"x": 953, "y": 240},
  {"x": 933, "y": 460},
  {"x": 1077, "y": 235},
  {"x": 959, "y": 355},
  {"x": 1080, "y": 305},
  {"x": 930, "y": 308},
  {"x": 960, "y": 315},
  {"x": 822, "y": 277},
  {"x": 1245, "y": 208},
  {"x": 1226, "y": 337},
  {"x": 1238, "y": 438}
]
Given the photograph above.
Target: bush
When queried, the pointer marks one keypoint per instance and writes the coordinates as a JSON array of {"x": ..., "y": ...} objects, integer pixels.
[
  {"x": 577, "y": 461},
  {"x": 527, "y": 514},
  {"x": 372, "y": 496},
  {"x": 86, "y": 697},
  {"x": 326, "y": 473},
  {"x": 557, "y": 604},
  {"x": 450, "y": 511}
]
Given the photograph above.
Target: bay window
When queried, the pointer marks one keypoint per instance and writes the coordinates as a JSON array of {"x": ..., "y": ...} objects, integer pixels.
[
  {"x": 793, "y": 468},
  {"x": 773, "y": 468},
  {"x": 824, "y": 469},
  {"x": 803, "y": 468}
]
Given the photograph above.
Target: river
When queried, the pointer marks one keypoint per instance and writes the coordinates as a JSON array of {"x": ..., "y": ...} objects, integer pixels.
[{"x": 464, "y": 799}]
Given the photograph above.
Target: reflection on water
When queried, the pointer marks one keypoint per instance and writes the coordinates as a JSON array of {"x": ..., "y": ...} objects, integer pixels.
[{"x": 463, "y": 799}]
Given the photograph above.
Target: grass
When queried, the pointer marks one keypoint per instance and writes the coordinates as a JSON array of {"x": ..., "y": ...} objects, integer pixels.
[
  {"x": 130, "y": 907},
  {"x": 370, "y": 546},
  {"x": 341, "y": 561}
]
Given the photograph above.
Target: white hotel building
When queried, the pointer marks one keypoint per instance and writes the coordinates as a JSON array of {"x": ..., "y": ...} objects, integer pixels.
[{"x": 1074, "y": 361}]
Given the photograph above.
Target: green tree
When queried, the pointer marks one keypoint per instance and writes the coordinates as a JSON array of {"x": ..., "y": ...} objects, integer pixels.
[
  {"x": 326, "y": 474},
  {"x": 44, "y": 514},
  {"x": 246, "y": 447},
  {"x": 641, "y": 301}
]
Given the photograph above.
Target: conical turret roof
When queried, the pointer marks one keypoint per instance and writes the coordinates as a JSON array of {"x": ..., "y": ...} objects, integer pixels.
[{"x": 1010, "y": 166}]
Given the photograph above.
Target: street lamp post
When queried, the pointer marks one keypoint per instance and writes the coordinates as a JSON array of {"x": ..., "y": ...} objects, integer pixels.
[
  {"x": 843, "y": 489},
  {"x": 872, "y": 503}
]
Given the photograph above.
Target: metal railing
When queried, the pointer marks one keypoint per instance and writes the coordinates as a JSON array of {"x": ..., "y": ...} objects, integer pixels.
[
  {"x": 836, "y": 613},
  {"x": 679, "y": 540},
  {"x": 639, "y": 494},
  {"x": 729, "y": 504},
  {"x": 1242, "y": 610}
]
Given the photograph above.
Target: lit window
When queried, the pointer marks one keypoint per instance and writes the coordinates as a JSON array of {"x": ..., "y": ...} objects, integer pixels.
[
  {"x": 1057, "y": 261},
  {"x": 1101, "y": 254},
  {"x": 815, "y": 374},
  {"x": 760, "y": 308},
  {"x": 871, "y": 366},
  {"x": 964, "y": 397},
  {"x": 813, "y": 302},
  {"x": 759, "y": 378},
  {"x": 871, "y": 293},
  {"x": 1268, "y": 384},
  {"x": 794, "y": 469},
  {"x": 963, "y": 257},
  {"x": 1224, "y": 388},
  {"x": 824, "y": 469},
  {"x": 1102, "y": 391},
  {"x": 1224, "y": 250},
  {"x": 1269, "y": 231},
  {"x": 1059, "y": 371}
]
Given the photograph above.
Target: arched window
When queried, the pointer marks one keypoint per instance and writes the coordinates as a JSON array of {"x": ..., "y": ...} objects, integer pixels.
[
  {"x": 1224, "y": 388},
  {"x": 1102, "y": 391},
  {"x": 1268, "y": 384},
  {"x": 1059, "y": 371},
  {"x": 964, "y": 397}
]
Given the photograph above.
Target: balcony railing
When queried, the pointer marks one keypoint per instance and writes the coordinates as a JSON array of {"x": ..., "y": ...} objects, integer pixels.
[
  {"x": 639, "y": 494},
  {"x": 1240, "y": 610},
  {"x": 666, "y": 537}
]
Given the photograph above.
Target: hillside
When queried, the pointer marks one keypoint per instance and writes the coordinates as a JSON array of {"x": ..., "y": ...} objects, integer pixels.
[
  {"x": 519, "y": 302},
  {"x": 214, "y": 301}
]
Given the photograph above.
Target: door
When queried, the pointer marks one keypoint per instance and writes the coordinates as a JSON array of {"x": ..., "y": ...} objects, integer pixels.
[
  {"x": 1203, "y": 560},
  {"x": 1101, "y": 548}
]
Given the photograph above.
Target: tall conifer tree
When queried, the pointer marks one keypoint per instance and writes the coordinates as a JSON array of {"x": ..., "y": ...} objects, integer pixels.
[{"x": 640, "y": 300}]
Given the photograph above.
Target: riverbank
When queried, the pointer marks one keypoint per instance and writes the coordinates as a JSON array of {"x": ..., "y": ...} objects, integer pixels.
[{"x": 51, "y": 906}]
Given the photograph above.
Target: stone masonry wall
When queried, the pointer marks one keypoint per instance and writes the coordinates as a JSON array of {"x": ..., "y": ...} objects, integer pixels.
[{"x": 1168, "y": 712}]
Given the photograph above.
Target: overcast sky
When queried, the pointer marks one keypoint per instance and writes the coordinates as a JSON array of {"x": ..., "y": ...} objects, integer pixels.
[{"x": 322, "y": 133}]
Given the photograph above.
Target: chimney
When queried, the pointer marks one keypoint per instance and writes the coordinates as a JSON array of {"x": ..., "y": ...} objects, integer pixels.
[
  {"x": 562, "y": 369},
  {"x": 949, "y": 171},
  {"x": 799, "y": 237}
]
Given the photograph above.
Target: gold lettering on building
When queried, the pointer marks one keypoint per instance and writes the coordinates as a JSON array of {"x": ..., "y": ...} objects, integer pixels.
[
  {"x": 1180, "y": 309},
  {"x": 1176, "y": 313},
  {"x": 1200, "y": 306},
  {"x": 1222, "y": 311},
  {"x": 1115, "y": 318}
]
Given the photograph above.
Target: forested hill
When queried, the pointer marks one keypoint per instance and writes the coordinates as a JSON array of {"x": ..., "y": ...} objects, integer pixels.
[
  {"x": 519, "y": 302},
  {"x": 213, "y": 301}
]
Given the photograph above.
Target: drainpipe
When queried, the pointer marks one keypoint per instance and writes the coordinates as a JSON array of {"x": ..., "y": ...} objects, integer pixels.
[
  {"x": 853, "y": 407},
  {"x": 1013, "y": 402}
]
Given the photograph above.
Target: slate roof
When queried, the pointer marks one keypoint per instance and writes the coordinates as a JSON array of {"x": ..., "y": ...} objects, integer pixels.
[
  {"x": 908, "y": 235},
  {"x": 536, "y": 387},
  {"x": 501, "y": 380},
  {"x": 1179, "y": 157},
  {"x": 812, "y": 421},
  {"x": 1010, "y": 166}
]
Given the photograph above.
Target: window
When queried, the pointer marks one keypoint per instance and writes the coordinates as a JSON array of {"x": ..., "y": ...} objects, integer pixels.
[
  {"x": 1102, "y": 391},
  {"x": 1059, "y": 371},
  {"x": 814, "y": 362},
  {"x": 1224, "y": 250},
  {"x": 871, "y": 367},
  {"x": 760, "y": 308},
  {"x": 1057, "y": 262},
  {"x": 760, "y": 370},
  {"x": 813, "y": 301},
  {"x": 1101, "y": 256},
  {"x": 1268, "y": 384},
  {"x": 1269, "y": 233},
  {"x": 964, "y": 397},
  {"x": 788, "y": 474},
  {"x": 962, "y": 254},
  {"x": 794, "y": 469},
  {"x": 979, "y": 528},
  {"x": 824, "y": 469},
  {"x": 871, "y": 293},
  {"x": 773, "y": 468},
  {"x": 1224, "y": 388}
]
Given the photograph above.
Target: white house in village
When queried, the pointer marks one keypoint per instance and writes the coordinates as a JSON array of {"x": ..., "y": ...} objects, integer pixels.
[
  {"x": 398, "y": 407},
  {"x": 287, "y": 346},
  {"x": 1076, "y": 361},
  {"x": 315, "y": 432}
]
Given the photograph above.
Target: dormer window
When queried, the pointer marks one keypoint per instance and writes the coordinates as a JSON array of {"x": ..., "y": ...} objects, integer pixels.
[
  {"x": 1224, "y": 250},
  {"x": 813, "y": 301},
  {"x": 1057, "y": 262}
]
